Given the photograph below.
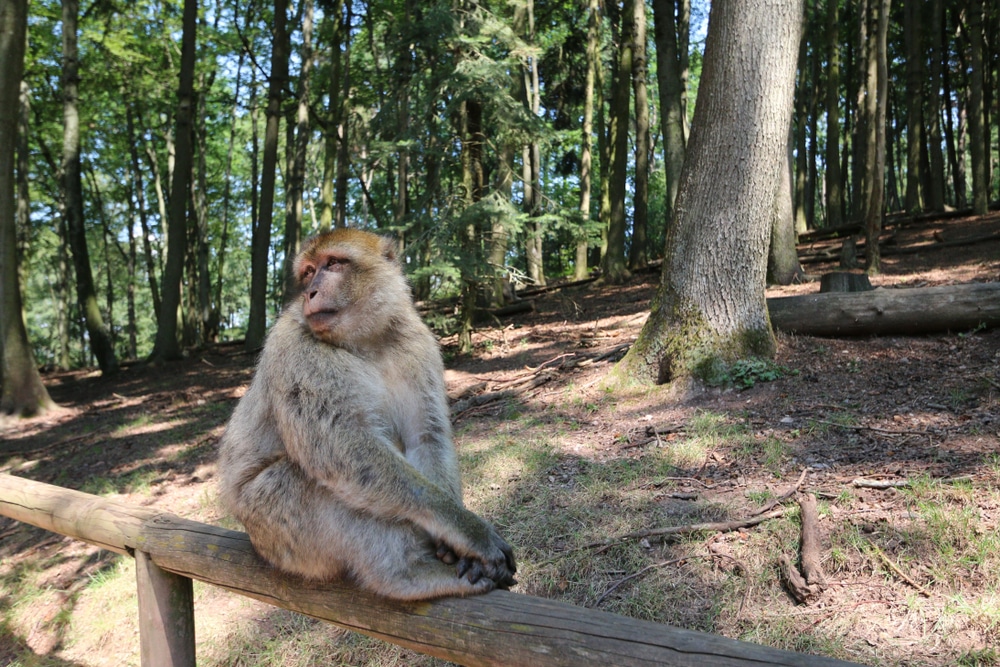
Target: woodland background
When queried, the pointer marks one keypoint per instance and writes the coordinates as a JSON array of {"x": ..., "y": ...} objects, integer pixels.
[{"x": 479, "y": 133}]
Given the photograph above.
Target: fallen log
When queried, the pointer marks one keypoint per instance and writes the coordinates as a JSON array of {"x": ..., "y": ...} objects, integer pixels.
[{"x": 906, "y": 311}]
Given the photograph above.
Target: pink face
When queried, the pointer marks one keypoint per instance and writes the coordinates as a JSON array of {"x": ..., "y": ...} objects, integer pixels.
[{"x": 325, "y": 292}]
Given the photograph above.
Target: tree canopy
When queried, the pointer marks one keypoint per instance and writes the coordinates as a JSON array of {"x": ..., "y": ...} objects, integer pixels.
[{"x": 498, "y": 141}]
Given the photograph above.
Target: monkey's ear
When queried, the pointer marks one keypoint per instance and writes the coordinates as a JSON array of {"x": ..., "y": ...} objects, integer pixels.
[{"x": 389, "y": 247}]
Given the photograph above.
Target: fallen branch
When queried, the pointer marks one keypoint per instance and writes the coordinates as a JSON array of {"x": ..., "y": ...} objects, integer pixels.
[
  {"x": 716, "y": 526},
  {"x": 480, "y": 399},
  {"x": 630, "y": 577},
  {"x": 895, "y": 568},
  {"x": 874, "y": 429},
  {"x": 784, "y": 496},
  {"x": 807, "y": 586},
  {"x": 903, "y": 483}
]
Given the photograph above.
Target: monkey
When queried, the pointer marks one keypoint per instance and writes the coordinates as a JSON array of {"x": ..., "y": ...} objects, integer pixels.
[{"x": 339, "y": 459}]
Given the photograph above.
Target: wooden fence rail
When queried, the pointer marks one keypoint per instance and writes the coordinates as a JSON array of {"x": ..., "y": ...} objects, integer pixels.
[{"x": 500, "y": 628}]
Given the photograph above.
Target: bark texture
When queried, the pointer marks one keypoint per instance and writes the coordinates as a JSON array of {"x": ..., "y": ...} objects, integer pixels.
[{"x": 710, "y": 305}]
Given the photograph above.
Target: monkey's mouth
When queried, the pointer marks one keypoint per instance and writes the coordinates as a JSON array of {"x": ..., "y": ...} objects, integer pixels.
[{"x": 323, "y": 320}]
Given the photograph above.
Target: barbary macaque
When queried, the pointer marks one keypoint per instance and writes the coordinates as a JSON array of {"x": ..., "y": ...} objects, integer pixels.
[{"x": 339, "y": 459}]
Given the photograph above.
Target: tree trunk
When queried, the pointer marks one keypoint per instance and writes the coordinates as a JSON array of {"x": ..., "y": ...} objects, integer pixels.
[
  {"x": 915, "y": 54},
  {"x": 100, "y": 342},
  {"x": 580, "y": 271},
  {"x": 783, "y": 266},
  {"x": 615, "y": 270},
  {"x": 166, "y": 346},
  {"x": 934, "y": 136},
  {"x": 21, "y": 388},
  {"x": 203, "y": 303},
  {"x": 532, "y": 157},
  {"x": 297, "y": 169},
  {"x": 638, "y": 252},
  {"x": 671, "y": 87},
  {"x": 343, "y": 121},
  {"x": 257, "y": 325},
  {"x": 140, "y": 197},
  {"x": 800, "y": 130},
  {"x": 877, "y": 141},
  {"x": 863, "y": 119},
  {"x": 474, "y": 184},
  {"x": 979, "y": 140},
  {"x": 333, "y": 19},
  {"x": 226, "y": 196},
  {"x": 716, "y": 313},
  {"x": 834, "y": 179}
]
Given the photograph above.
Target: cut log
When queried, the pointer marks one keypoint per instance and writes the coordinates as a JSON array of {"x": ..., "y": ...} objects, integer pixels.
[{"x": 889, "y": 311}]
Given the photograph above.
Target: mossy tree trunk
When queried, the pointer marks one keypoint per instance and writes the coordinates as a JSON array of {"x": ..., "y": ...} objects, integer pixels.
[{"x": 710, "y": 306}]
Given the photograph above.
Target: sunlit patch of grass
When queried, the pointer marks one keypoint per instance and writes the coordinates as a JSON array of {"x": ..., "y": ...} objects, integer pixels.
[
  {"x": 985, "y": 657},
  {"x": 289, "y": 639},
  {"x": 136, "y": 481},
  {"x": 142, "y": 420},
  {"x": 787, "y": 634},
  {"x": 105, "y": 609},
  {"x": 983, "y": 611}
]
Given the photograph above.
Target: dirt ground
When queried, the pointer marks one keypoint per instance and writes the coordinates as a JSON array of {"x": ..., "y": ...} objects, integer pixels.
[{"x": 885, "y": 409}]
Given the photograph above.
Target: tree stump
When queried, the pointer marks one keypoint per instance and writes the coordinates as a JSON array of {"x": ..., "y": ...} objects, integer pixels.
[{"x": 843, "y": 281}]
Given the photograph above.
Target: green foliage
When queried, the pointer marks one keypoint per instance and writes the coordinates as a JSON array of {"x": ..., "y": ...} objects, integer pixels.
[{"x": 743, "y": 373}]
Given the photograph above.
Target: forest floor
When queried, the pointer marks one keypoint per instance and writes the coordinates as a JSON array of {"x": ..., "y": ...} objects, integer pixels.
[{"x": 558, "y": 463}]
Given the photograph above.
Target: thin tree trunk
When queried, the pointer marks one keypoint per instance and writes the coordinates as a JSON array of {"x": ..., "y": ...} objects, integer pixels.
[
  {"x": 800, "y": 131},
  {"x": 166, "y": 346},
  {"x": 100, "y": 341},
  {"x": 226, "y": 195},
  {"x": 978, "y": 136},
  {"x": 532, "y": 156},
  {"x": 638, "y": 252},
  {"x": 876, "y": 206},
  {"x": 863, "y": 115},
  {"x": 812, "y": 159},
  {"x": 297, "y": 169},
  {"x": 203, "y": 320},
  {"x": 334, "y": 19},
  {"x": 915, "y": 54},
  {"x": 586, "y": 159},
  {"x": 343, "y": 126},
  {"x": 834, "y": 179},
  {"x": 783, "y": 266},
  {"x": 474, "y": 185},
  {"x": 671, "y": 87},
  {"x": 140, "y": 200},
  {"x": 936, "y": 178},
  {"x": 615, "y": 270},
  {"x": 257, "y": 324},
  {"x": 21, "y": 388}
]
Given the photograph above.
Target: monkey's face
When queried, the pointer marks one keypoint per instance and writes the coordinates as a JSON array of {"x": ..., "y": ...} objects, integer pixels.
[{"x": 349, "y": 281}]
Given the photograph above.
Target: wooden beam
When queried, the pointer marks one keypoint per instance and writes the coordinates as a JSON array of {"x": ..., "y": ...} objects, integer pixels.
[{"x": 501, "y": 628}]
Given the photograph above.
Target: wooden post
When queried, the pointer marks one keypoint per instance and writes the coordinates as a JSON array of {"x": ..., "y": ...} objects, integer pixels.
[{"x": 166, "y": 615}]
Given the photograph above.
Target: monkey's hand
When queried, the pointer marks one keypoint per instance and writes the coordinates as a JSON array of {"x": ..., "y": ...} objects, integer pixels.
[{"x": 488, "y": 555}]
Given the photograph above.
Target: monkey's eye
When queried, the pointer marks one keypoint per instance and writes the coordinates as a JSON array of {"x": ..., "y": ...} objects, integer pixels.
[
  {"x": 332, "y": 262},
  {"x": 307, "y": 273}
]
